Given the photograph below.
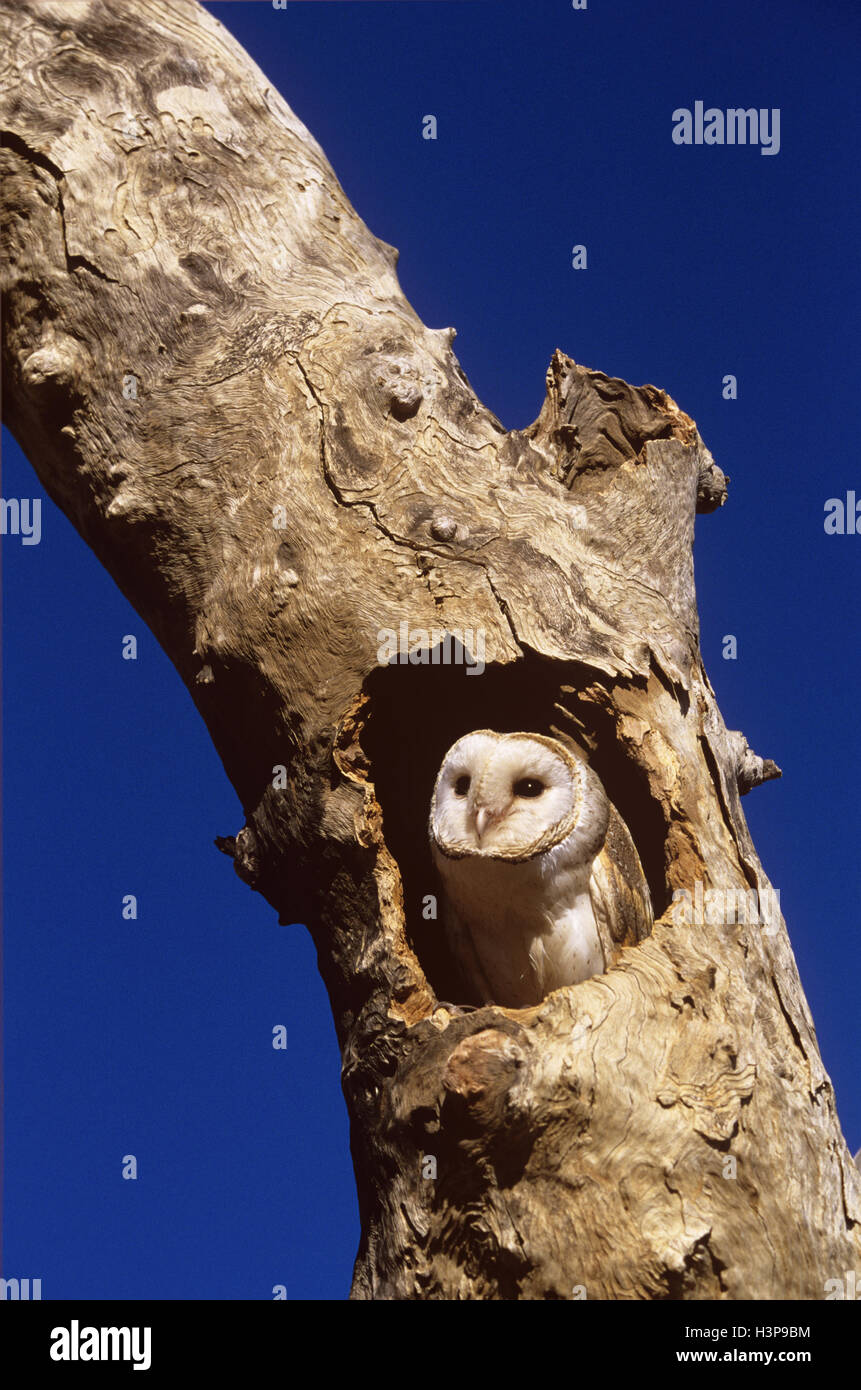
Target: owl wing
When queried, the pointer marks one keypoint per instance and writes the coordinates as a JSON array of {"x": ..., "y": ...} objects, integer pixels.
[{"x": 620, "y": 894}]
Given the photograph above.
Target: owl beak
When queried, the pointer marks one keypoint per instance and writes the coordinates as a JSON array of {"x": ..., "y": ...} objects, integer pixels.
[{"x": 485, "y": 818}]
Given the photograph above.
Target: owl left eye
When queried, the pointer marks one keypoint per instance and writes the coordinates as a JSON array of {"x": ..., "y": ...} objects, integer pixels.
[
  {"x": 461, "y": 786},
  {"x": 528, "y": 786}
]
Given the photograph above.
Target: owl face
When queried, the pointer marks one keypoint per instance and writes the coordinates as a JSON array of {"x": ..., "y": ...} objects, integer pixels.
[{"x": 506, "y": 796}]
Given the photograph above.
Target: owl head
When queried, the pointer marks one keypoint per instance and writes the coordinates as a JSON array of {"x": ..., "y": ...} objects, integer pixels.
[{"x": 513, "y": 796}]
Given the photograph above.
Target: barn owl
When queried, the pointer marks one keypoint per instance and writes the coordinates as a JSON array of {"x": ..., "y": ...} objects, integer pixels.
[{"x": 542, "y": 882}]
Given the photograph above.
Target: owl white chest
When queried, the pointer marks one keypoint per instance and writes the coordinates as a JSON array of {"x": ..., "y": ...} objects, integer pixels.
[{"x": 531, "y": 924}]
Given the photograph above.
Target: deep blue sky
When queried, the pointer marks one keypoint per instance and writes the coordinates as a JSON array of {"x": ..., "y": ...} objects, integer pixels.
[{"x": 154, "y": 1037}]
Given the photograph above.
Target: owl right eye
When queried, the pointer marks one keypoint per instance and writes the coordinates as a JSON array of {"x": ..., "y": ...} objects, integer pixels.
[
  {"x": 528, "y": 786},
  {"x": 461, "y": 786}
]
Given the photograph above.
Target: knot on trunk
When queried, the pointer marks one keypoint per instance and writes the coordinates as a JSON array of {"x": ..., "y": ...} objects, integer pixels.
[
  {"x": 399, "y": 386},
  {"x": 479, "y": 1077}
]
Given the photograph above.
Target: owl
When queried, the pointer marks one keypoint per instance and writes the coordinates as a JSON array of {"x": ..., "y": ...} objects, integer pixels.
[{"x": 542, "y": 884}]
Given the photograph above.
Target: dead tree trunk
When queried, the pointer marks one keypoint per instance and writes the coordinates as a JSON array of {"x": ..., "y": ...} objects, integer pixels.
[{"x": 208, "y": 359}]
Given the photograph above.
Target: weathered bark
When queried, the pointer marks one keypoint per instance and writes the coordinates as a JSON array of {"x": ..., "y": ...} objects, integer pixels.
[{"x": 169, "y": 219}]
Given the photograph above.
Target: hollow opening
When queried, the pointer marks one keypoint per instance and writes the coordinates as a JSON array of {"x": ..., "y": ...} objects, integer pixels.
[{"x": 417, "y": 712}]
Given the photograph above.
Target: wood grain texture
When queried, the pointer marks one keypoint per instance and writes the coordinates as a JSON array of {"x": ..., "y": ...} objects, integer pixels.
[{"x": 302, "y": 465}]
